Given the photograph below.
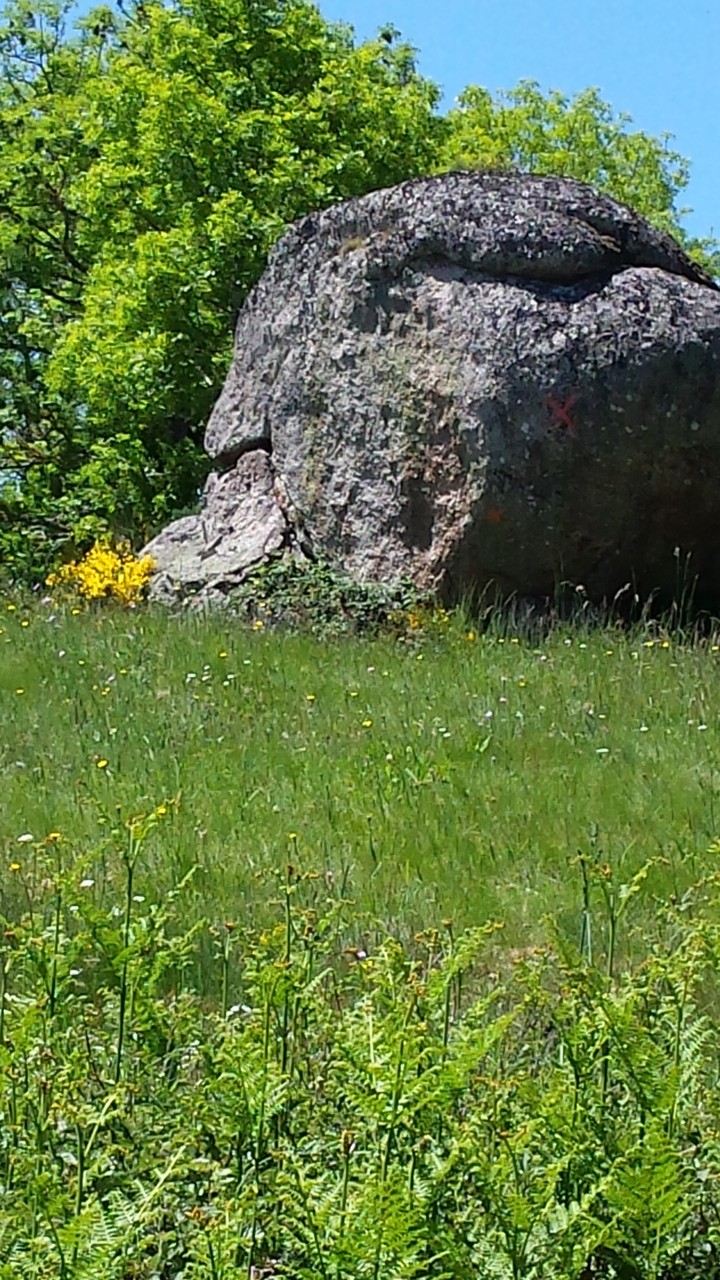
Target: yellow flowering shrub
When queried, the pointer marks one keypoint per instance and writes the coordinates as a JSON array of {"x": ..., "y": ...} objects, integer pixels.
[{"x": 107, "y": 571}]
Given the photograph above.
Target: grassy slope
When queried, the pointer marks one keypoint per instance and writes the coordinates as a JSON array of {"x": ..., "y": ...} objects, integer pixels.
[{"x": 445, "y": 777}]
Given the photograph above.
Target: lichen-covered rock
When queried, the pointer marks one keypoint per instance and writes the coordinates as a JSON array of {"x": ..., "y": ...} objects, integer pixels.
[
  {"x": 240, "y": 523},
  {"x": 485, "y": 379}
]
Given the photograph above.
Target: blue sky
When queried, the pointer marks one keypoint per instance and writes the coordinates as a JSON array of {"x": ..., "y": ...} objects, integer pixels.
[{"x": 657, "y": 60}]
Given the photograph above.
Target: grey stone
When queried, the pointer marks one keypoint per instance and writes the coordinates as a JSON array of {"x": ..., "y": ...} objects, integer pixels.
[
  {"x": 241, "y": 522},
  {"x": 484, "y": 380}
]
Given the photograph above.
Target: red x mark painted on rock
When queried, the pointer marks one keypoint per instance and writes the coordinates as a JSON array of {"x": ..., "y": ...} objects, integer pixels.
[{"x": 560, "y": 415}]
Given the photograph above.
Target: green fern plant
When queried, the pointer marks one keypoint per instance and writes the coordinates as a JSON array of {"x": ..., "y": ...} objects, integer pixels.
[{"x": 355, "y": 1108}]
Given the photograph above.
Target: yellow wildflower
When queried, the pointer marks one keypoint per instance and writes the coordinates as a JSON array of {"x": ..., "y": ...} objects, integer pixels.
[{"x": 107, "y": 571}]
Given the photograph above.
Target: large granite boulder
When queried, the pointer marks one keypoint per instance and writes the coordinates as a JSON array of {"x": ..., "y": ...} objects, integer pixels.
[{"x": 471, "y": 380}]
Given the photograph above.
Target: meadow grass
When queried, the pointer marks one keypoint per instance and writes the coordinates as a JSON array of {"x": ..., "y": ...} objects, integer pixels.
[
  {"x": 446, "y": 774},
  {"x": 391, "y": 958}
]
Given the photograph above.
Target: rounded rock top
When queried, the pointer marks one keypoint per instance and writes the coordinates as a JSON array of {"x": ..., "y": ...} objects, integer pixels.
[{"x": 549, "y": 229}]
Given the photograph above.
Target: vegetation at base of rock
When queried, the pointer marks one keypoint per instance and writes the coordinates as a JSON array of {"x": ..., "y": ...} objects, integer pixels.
[
  {"x": 314, "y": 597},
  {"x": 107, "y": 571},
  {"x": 151, "y": 154}
]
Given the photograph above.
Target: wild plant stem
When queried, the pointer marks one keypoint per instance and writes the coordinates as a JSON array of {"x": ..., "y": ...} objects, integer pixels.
[
  {"x": 225, "y": 973},
  {"x": 586, "y": 948},
  {"x": 286, "y": 963},
  {"x": 3, "y": 992},
  {"x": 211, "y": 1256},
  {"x": 260, "y": 1136},
  {"x": 390, "y": 1140},
  {"x": 347, "y": 1146},
  {"x": 80, "y": 1188},
  {"x": 130, "y": 868},
  {"x": 679, "y": 1024},
  {"x": 56, "y": 948}
]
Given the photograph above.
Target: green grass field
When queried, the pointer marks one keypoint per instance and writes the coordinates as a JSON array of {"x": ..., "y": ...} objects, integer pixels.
[
  {"x": 387, "y": 958},
  {"x": 443, "y": 776}
]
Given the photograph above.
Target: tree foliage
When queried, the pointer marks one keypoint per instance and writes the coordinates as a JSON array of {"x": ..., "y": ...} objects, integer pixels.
[{"x": 149, "y": 158}]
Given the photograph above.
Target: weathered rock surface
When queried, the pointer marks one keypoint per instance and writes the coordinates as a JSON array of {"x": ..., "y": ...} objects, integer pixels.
[
  {"x": 470, "y": 380},
  {"x": 240, "y": 523}
]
